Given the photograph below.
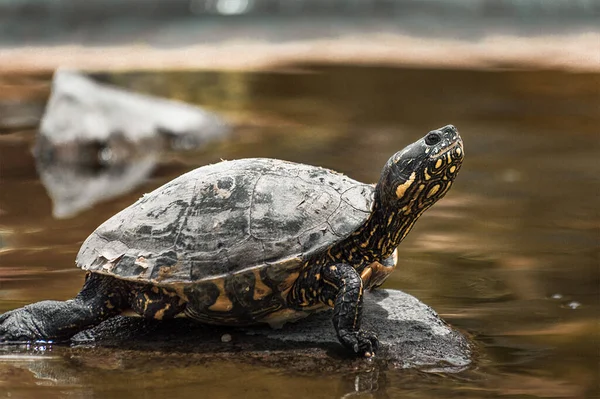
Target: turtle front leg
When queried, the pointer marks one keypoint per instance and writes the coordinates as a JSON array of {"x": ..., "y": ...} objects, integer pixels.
[
  {"x": 338, "y": 286},
  {"x": 99, "y": 299},
  {"x": 343, "y": 287}
]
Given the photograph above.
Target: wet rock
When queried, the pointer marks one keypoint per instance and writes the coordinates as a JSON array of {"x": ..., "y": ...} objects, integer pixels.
[
  {"x": 411, "y": 334},
  {"x": 81, "y": 110}
]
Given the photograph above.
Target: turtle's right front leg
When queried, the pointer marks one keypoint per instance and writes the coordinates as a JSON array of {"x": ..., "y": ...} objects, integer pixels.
[
  {"x": 100, "y": 298},
  {"x": 341, "y": 287}
]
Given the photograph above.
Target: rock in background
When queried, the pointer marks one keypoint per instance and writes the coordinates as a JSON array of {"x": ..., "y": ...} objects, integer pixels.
[
  {"x": 98, "y": 142},
  {"x": 81, "y": 111}
]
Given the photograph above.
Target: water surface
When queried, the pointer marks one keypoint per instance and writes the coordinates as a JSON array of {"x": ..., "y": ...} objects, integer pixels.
[{"x": 509, "y": 256}]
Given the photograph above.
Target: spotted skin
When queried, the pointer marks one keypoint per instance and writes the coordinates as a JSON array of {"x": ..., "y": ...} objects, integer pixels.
[
  {"x": 252, "y": 241},
  {"x": 154, "y": 302}
]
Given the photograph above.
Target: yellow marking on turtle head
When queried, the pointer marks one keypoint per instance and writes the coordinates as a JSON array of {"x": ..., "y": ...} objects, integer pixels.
[
  {"x": 438, "y": 163},
  {"x": 261, "y": 290},
  {"x": 330, "y": 302},
  {"x": 433, "y": 191},
  {"x": 401, "y": 189},
  {"x": 452, "y": 168},
  {"x": 427, "y": 175},
  {"x": 222, "y": 303},
  {"x": 333, "y": 268}
]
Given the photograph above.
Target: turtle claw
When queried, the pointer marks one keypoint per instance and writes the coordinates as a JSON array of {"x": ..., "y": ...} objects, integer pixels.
[{"x": 361, "y": 342}]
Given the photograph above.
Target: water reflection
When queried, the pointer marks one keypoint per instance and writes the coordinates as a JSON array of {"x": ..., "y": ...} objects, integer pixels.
[
  {"x": 74, "y": 188},
  {"x": 505, "y": 256},
  {"x": 74, "y": 370}
]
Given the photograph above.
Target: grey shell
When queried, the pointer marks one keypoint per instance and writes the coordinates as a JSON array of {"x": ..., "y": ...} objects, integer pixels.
[{"x": 227, "y": 218}]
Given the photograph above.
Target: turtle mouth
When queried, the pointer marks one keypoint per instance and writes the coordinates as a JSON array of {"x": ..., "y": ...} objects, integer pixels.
[{"x": 457, "y": 143}]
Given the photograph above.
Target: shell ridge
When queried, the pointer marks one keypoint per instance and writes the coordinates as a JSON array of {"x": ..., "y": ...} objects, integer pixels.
[
  {"x": 260, "y": 176},
  {"x": 185, "y": 217}
]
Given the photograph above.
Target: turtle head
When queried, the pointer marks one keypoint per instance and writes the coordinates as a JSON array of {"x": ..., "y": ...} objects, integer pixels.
[{"x": 422, "y": 173}]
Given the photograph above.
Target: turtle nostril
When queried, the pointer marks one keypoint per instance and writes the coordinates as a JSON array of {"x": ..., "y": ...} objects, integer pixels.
[{"x": 432, "y": 138}]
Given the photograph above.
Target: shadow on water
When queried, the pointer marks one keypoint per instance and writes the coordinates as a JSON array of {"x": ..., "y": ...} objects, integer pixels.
[{"x": 510, "y": 255}]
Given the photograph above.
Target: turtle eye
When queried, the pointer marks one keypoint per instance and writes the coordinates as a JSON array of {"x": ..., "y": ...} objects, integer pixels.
[{"x": 432, "y": 138}]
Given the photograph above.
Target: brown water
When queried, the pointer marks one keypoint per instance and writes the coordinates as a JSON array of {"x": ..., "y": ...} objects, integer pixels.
[{"x": 510, "y": 256}]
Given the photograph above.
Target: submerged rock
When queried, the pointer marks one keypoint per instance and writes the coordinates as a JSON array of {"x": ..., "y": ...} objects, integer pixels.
[{"x": 411, "y": 334}]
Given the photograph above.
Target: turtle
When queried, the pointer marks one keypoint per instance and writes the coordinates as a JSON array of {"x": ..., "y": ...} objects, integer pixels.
[{"x": 251, "y": 241}]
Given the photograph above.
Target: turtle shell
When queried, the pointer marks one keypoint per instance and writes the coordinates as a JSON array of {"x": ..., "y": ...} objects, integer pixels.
[{"x": 226, "y": 218}]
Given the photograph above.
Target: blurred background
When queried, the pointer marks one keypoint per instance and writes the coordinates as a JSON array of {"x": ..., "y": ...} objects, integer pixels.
[{"x": 510, "y": 256}]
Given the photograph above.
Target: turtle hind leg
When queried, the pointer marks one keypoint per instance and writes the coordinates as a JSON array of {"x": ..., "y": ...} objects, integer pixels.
[{"x": 100, "y": 298}]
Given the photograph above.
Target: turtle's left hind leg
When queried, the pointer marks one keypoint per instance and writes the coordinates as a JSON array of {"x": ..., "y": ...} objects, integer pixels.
[{"x": 100, "y": 298}]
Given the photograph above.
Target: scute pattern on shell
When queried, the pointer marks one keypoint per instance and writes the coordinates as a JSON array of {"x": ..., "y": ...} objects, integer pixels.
[{"x": 226, "y": 218}]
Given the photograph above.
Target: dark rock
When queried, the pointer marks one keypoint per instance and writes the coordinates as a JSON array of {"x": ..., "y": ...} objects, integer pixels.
[{"x": 412, "y": 335}]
